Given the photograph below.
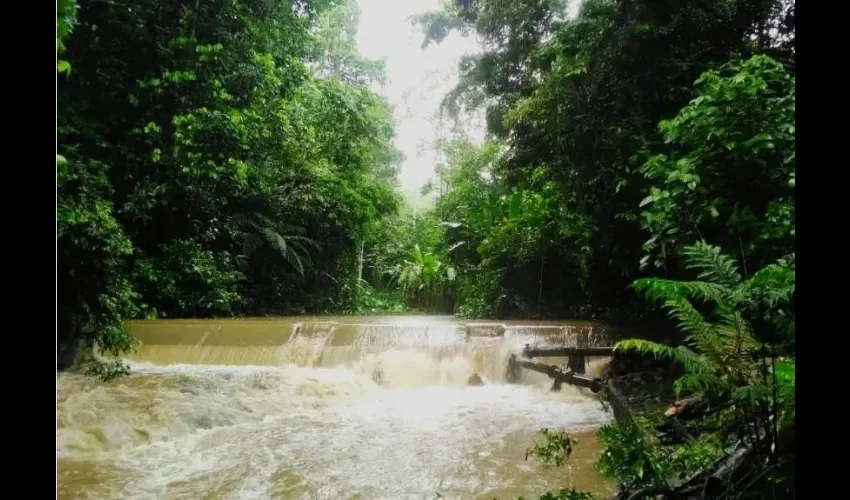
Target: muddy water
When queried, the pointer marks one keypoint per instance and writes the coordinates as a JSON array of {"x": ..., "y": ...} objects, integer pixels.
[{"x": 324, "y": 408}]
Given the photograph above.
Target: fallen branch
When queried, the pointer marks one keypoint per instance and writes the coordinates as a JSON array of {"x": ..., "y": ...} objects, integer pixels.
[
  {"x": 716, "y": 483},
  {"x": 694, "y": 408},
  {"x": 555, "y": 352},
  {"x": 674, "y": 428},
  {"x": 560, "y": 375}
]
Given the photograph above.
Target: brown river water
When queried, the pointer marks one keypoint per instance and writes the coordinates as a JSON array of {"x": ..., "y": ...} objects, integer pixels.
[{"x": 326, "y": 408}]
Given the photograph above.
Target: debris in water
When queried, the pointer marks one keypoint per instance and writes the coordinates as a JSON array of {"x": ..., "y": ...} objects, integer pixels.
[{"x": 476, "y": 379}]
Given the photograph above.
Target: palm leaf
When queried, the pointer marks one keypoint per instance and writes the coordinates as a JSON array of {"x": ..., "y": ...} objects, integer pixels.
[
  {"x": 286, "y": 240},
  {"x": 287, "y": 249}
]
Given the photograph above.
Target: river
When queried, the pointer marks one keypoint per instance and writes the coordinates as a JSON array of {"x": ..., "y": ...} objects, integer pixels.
[{"x": 325, "y": 408}]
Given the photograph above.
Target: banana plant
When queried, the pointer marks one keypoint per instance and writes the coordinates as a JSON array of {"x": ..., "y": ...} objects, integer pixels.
[{"x": 423, "y": 275}]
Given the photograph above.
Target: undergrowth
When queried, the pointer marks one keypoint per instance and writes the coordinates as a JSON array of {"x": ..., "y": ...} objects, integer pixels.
[
  {"x": 635, "y": 461},
  {"x": 373, "y": 301},
  {"x": 106, "y": 371}
]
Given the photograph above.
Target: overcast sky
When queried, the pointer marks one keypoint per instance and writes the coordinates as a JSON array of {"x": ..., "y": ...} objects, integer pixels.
[{"x": 417, "y": 80}]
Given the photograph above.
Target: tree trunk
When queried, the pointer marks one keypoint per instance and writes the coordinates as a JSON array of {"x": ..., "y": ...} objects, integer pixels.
[{"x": 360, "y": 263}]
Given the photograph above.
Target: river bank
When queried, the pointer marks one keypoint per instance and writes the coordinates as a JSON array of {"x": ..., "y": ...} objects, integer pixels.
[{"x": 702, "y": 446}]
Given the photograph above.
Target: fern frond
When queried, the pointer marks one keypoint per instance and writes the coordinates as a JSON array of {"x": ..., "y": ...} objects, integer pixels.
[
  {"x": 736, "y": 333},
  {"x": 774, "y": 284},
  {"x": 733, "y": 324},
  {"x": 699, "y": 382},
  {"x": 713, "y": 265},
  {"x": 690, "y": 320},
  {"x": 661, "y": 351},
  {"x": 751, "y": 394},
  {"x": 661, "y": 290}
]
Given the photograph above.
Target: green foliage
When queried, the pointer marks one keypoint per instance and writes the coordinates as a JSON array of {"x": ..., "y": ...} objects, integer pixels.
[
  {"x": 106, "y": 371},
  {"x": 372, "y": 301},
  {"x": 221, "y": 159},
  {"x": 422, "y": 275},
  {"x": 94, "y": 294},
  {"x": 730, "y": 178},
  {"x": 727, "y": 349},
  {"x": 629, "y": 459},
  {"x": 555, "y": 449},
  {"x": 502, "y": 241},
  {"x": 566, "y": 494},
  {"x": 556, "y": 226},
  {"x": 731, "y": 175},
  {"x": 66, "y": 17},
  {"x": 334, "y": 50},
  {"x": 637, "y": 462},
  {"x": 732, "y": 360},
  {"x": 186, "y": 280},
  {"x": 405, "y": 260}
]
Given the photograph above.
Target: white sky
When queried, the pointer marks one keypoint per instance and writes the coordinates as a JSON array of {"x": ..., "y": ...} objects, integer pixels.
[{"x": 417, "y": 80}]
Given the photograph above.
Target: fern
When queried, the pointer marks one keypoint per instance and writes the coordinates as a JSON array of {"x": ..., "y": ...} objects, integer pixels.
[
  {"x": 726, "y": 359},
  {"x": 724, "y": 342},
  {"x": 712, "y": 264},
  {"x": 661, "y": 351},
  {"x": 749, "y": 395},
  {"x": 700, "y": 382},
  {"x": 661, "y": 290},
  {"x": 773, "y": 285},
  {"x": 688, "y": 318}
]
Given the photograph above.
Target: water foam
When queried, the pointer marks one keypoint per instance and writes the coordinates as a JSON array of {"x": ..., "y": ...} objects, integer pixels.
[{"x": 320, "y": 427}]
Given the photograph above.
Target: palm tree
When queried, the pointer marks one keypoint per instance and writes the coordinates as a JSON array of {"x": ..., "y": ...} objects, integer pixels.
[{"x": 287, "y": 240}]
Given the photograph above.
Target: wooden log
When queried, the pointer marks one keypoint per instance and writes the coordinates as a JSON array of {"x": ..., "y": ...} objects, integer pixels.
[
  {"x": 717, "y": 483},
  {"x": 618, "y": 404},
  {"x": 553, "y": 352},
  {"x": 673, "y": 432},
  {"x": 563, "y": 376},
  {"x": 694, "y": 408}
]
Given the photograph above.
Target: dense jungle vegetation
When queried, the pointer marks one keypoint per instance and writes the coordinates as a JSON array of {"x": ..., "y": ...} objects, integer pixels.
[
  {"x": 229, "y": 158},
  {"x": 234, "y": 159},
  {"x": 642, "y": 150},
  {"x": 216, "y": 158}
]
